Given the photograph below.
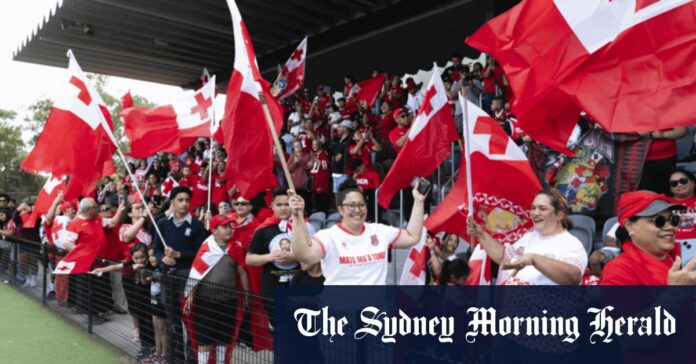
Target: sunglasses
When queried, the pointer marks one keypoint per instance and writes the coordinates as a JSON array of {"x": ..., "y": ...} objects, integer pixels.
[
  {"x": 681, "y": 181},
  {"x": 660, "y": 221},
  {"x": 104, "y": 210},
  {"x": 242, "y": 203}
]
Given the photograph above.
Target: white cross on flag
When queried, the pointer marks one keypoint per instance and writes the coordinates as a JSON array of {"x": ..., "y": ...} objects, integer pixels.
[
  {"x": 413, "y": 273},
  {"x": 171, "y": 128},
  {"x": 45, "y": 199},
  {"x": 292, "y": 74}
]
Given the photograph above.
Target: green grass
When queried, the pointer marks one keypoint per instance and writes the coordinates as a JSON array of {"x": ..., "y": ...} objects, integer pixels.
[{"x": 29, "y": 333}]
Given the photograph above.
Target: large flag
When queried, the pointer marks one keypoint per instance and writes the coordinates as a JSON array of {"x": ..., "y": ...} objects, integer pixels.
[
  {"x": 245, "y": 132},
  {"x": 502, "y": 182},
  {"x": 415, "y": 267},
  {"x": 479, "y": 268},
  {"x": 292, "y": 74},
  {"x": 209, "y": 254},
  {"x": 75, "y": 140},
  {"x": 428, "y": 143},
  {"x": 79, "y": 260},
  {"x": 170, "y": 128},
  {"x": 625, "y": 62},
  {"x": 45, "y": 199},
  {"x": 367, "y": 90}
]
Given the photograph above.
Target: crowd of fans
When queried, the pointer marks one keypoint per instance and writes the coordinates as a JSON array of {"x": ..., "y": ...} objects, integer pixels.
[{"x": 331, "y": 144}]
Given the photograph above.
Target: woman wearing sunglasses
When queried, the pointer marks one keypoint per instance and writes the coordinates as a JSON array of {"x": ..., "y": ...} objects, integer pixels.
[
  {"x": 681, "y": 189},
  {"x": 354, "y": 252},
  {"x": 648, "y": 255}
]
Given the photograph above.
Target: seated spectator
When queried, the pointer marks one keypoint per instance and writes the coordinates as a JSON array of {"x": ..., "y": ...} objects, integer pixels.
[
  {"x": 647, "y": 257},
  {"x": 457, "y": 272},
  {"x": 599, "y": 258}
]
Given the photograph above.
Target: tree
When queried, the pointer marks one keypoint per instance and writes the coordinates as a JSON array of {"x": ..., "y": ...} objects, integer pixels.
[{"x": 14, "y": 181}]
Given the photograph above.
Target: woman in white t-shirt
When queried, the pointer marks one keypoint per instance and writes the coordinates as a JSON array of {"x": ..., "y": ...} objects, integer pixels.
[
  {"x": 354, "y": 252},
  {"x": 546, "y": 255}
]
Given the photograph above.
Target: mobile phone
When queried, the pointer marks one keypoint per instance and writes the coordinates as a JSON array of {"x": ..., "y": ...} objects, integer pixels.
[
  {"x": 423, "y": 185},
  {"x": 688, "y": 251}
]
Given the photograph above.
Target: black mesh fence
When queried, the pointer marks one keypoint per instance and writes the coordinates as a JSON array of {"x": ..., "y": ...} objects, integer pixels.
[{"x": 153, "y": 316}]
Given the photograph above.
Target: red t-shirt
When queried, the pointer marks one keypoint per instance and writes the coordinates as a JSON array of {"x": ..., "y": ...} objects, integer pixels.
[
  {"x": 493, "y": 80},
  {"x": 395, "y": 135},
  {"x": 662, "y": 149},
  {"x": 365, "y": 153},
  {"x": 386, "y": 125},
  {"x": 219, "y": 193},
  {"x": 189, "y": 181},
  {"x": 200, "y": 195},
  {"x": 368, "y": 180},
  {"x": 635, "y": 267},
  {"x": 320, "y": 171},
  {"x": 89, "y": 232}
]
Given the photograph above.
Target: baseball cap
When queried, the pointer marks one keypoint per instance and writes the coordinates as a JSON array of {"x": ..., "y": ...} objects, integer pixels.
[
  {"x": 398, "y": 111},
  {"x": 220, "y": 219},
  {"x": 643, "y": 204}
]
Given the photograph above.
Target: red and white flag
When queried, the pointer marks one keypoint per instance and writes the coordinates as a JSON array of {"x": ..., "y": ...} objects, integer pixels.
[
  {"x": 292, "y": 73},
  {"x": 479, "y": 268},
  {"x": 244, "y": 128},
  {"x": 503, "y": 184},
  {"x": 367, "y": 90},
  {"x": 45, "y": 199},
  {"x": 209, "y": 254},
  {"x": 171, "y": 128},
  {"x": 624, "y": 62},
  {"x": 75, "y": 141},
  {"x": 413, "y": 273},
  {"x": 428, "y": 143},
  {"x": 126, "y": 101},
  {"x": 167, "y": 185},
  {"x": 79, "y": 260}
]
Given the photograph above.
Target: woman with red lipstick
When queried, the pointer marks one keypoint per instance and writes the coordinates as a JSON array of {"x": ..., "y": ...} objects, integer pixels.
[
  {"x": 546, "y": 255},
  {"x": 647, "y": 219}
]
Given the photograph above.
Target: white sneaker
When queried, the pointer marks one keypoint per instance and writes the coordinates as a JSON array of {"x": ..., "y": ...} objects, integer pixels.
[{"x": 33, "y": 282}]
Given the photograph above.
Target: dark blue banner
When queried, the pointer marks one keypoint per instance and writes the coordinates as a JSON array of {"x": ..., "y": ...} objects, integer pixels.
[{"x": 454, "y": 324}]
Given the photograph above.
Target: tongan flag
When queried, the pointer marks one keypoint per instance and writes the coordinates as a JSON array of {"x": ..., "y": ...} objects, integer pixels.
[
  {"x": 209, "y": 254},
  {"x": 627, "y": 63},
  {"x": 75, "y": 141},
  {"x": 415, "y": 265},
  {"x": 367, "y": 90},
  {"x": 428, "y": 143},
  {"x": 503, "y": 184},
  {"x": 245, "y": 132},
  {"x": 293, "y": 73},
  {"x": 170, "y": 128},
  {"x": 167, "y": 185},
  {"x": 45, "y": 199}
]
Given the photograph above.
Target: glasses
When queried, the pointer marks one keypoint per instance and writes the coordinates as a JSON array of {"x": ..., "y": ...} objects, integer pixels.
[
  {"x": 681, "y": 181},
  {"x": 354, "y": 206},
  {"x": 242, "y": 203},
  {"x": 105, "y": 210},
  {"x": 660, "y": 221}
]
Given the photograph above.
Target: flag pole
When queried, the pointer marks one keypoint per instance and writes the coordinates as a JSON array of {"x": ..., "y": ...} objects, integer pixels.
[
  {"x": 467, "y": 154},
  {"x": 276, "y": 141},
  {"x": 213, "y": 127}
]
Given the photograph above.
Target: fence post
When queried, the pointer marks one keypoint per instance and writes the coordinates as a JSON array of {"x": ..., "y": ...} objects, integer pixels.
[
  {"x": 14, "y": 256},
  {"x": 89, "y": 304},
  {"x": 45, "y": 273}
]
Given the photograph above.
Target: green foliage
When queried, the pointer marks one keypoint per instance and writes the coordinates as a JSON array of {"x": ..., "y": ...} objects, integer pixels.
[{"x": 13, "y": 180}]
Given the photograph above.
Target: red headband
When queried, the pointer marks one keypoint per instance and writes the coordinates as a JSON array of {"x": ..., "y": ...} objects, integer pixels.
[{"x": 632, "y": 203}]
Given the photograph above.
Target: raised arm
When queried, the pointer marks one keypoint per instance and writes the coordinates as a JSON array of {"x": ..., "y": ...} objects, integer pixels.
[
  {"x": 412, "y": 234},
  {"x": 494, "y": 249},
  {"x": 302, "y": 247}
]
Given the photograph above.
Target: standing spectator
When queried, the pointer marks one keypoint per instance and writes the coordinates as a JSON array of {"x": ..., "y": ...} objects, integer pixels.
[
  {"x": 415, "y": 97},
  {"x": 453, "y": 72},
  {"x": 7, "y": 229},
  {"x": 319, "y": 170},
  {"x": 279, "y": 265},
  {"x": 159, "y": 169},
  {"x": 141, "y": 171},
  {"x": 492, "y": 83},
  {"x": 183, "y": 236},
  {"x": 398, "y": 136},
  {"x": 368, "y": 180},
  {"x": 298, "y": 164},
  {"x": 365, "y": 144},
  {"x": 215, "y": 295},
  {"x": 395, "y": 93},
  {"x": 341, "y": 247},
  {"x": 296, "y": 119},
  {"x": 219, "y": 193},
  {"x": 339, "y": 154},
  {"x": 348, "y": 83},
  {"x": 661, "y": 159},
  {"x": 28, "y": 254}
]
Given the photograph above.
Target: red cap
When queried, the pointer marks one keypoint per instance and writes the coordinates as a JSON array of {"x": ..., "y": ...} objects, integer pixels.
[
  {"x": 67, "y": 205},
  {"x": 220, "y": 219},
  {"x": 642, "y": 204},
  {"x": 398, "y": 111}
]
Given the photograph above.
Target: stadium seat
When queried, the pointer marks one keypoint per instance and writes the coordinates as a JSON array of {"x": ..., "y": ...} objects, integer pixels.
[
  {"x": 599, "y": 244},
  {"x": 332, "y": 220},
  {"x": 389, "y": 218},
  {"x": 584, "y": 230},
  {"x": 317, "y": 220}
]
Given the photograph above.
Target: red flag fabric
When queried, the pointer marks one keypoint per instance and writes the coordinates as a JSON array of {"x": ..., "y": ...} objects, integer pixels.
[
  {"x": 479, "y": 268},
  {"x": 624, "y": 62},
  {"x": 75, "y": 141},
  {"x": 126, "y": 101},
  {"x": 89, "y": 238},
  {"x": 244, "y": 128},
  {"x": 170, "y": 128},
  {"x": 501, "y": 207},
  {"x": 45, "y": 199},
  {"x": 367, "y": 90},
  {"x": 292, "y": 74},
  {"x": 167, "y": 185},
  {"x": 428, "y": 143}
]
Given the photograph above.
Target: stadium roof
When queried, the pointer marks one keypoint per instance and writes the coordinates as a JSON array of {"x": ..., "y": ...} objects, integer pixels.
[{"x": 170, "y": 41}]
